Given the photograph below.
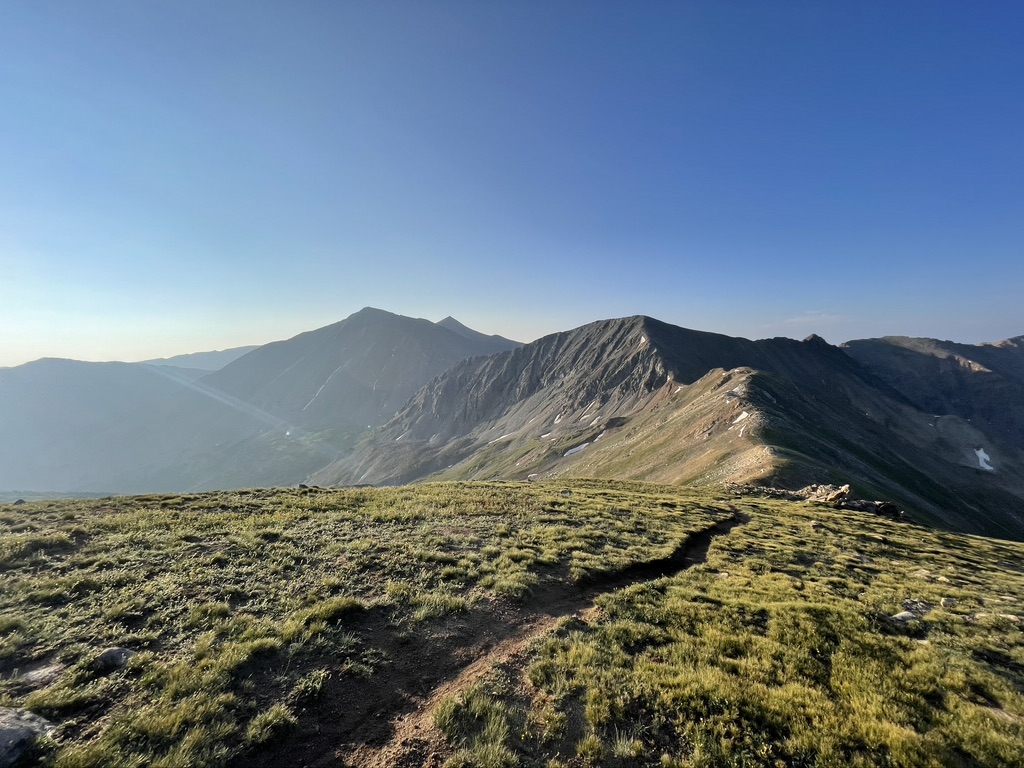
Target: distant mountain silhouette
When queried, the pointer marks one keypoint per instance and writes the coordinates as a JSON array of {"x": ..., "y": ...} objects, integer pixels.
[
  {"x": 204, "y": 361},
  {"x": 269, "y": 417},
  {"x": 357, "y": 372},
  {"x": 499, "y": 343}
]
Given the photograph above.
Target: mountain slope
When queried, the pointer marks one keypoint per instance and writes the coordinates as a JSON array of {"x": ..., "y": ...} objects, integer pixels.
[
  {"x": 639, "y": 399},
  {"x": 268, "y": 418},
  {"x": 204, "y": 361},
  {"x": 71, "y": 426},
  {"x": 353, "y": 373},
  {"x": 982, "y": 383},
  {"x": 567, "y": 385}
]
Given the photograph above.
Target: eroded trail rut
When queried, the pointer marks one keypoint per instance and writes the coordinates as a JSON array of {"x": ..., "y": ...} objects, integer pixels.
[{"x": 387, "y": 719}]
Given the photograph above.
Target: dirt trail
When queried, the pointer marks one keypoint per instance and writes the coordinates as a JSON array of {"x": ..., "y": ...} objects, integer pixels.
[{"x": 387, "y": 721}]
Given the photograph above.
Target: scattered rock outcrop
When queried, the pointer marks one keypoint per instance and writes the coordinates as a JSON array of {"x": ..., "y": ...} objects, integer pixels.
[
  {"x": 838, "y": 496},
  {"x": 826, "y": 494}
]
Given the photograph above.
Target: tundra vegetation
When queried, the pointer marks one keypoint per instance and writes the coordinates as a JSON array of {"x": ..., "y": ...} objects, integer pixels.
[{"x": 808, "y": 636}]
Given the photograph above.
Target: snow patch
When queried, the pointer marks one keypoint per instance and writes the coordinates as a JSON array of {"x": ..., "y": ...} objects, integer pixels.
[
  {"x": 741, "y": 417},
  {"x": 643, "y": 340},
  {"x": 577, "y": 449},
  {"x": 558, "y": 418},
  {"x": 678, "y": 390},
  {"x": 600, "y": 436},
  {"x": 743, "y": 430},
  {"x": 596, "y": 419},
  {"x": 499, "y": 438},
  {"x": 983, "y": 460},
  {"x": 545, "y": 436}
]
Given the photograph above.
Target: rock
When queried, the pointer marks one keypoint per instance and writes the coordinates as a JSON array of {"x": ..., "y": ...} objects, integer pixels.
[
  {"x": 111, "y": 660},
  {"x": 837, "y": 495},
  {"x": 917, "y": 607},
  {"x": 19, "y": 502},
  {"x": 42, "y": 676},
  {"x": 904, "y": 616},
  {"x": 888, "y": 509},
  {"x": 1003, "y": 616},
  {"x": 948, "y": 602},
  {"x": 19, "y": 733},
  {"x": 827, "y": 494}
]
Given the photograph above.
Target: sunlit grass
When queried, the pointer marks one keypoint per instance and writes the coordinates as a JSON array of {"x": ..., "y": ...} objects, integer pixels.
[
  {"x": 781, "y": 650},
  {"x": 241, "y": 606}
]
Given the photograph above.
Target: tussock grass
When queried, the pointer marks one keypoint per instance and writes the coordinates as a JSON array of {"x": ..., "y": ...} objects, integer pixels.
[
  {"x": 245, "y": 607},
  {"x": 782, "y": 650},
  {"x": 242, "y": 606}
]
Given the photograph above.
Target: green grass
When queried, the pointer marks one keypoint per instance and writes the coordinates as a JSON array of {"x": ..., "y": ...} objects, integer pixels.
[
  {"x": 245, "y": 608},
  {"x": 780, "y": 651},
  {"x": 242, "y": 606}
]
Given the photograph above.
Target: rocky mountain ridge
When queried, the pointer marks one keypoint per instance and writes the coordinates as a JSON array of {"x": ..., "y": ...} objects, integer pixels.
[
  {"x": 639, "y": 399},
  {"x": 935, "y": 427}
]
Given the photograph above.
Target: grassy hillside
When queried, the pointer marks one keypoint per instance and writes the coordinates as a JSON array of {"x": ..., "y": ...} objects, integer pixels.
[{"x": 456, "y": 624}]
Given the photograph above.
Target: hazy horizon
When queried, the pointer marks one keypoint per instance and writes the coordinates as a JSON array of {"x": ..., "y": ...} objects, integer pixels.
[
  {"x": 228, "y": 347},
  {"x": 181, "y": 176}
]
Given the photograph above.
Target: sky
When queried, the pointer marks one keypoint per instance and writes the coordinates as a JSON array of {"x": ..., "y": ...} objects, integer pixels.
[{"x": 185, "y": 175}]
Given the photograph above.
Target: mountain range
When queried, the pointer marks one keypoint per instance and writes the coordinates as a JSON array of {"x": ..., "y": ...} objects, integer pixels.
[
  {"x": 268, "y": 417},
  {"x": 937, "y": 427}
]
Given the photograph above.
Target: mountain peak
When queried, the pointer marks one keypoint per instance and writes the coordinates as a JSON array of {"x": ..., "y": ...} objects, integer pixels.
[
  {"x": 451, "y": 324},
  {"x": 371, "y": 311}
]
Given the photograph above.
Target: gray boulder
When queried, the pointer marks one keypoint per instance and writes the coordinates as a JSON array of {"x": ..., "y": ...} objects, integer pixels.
[
  {"x": 111, "y": 660},
  {"x": 19, "y": 733}
]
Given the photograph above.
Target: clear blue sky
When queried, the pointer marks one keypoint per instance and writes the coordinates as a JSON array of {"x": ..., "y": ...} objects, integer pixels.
[{"x": 178, "y": 175}]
